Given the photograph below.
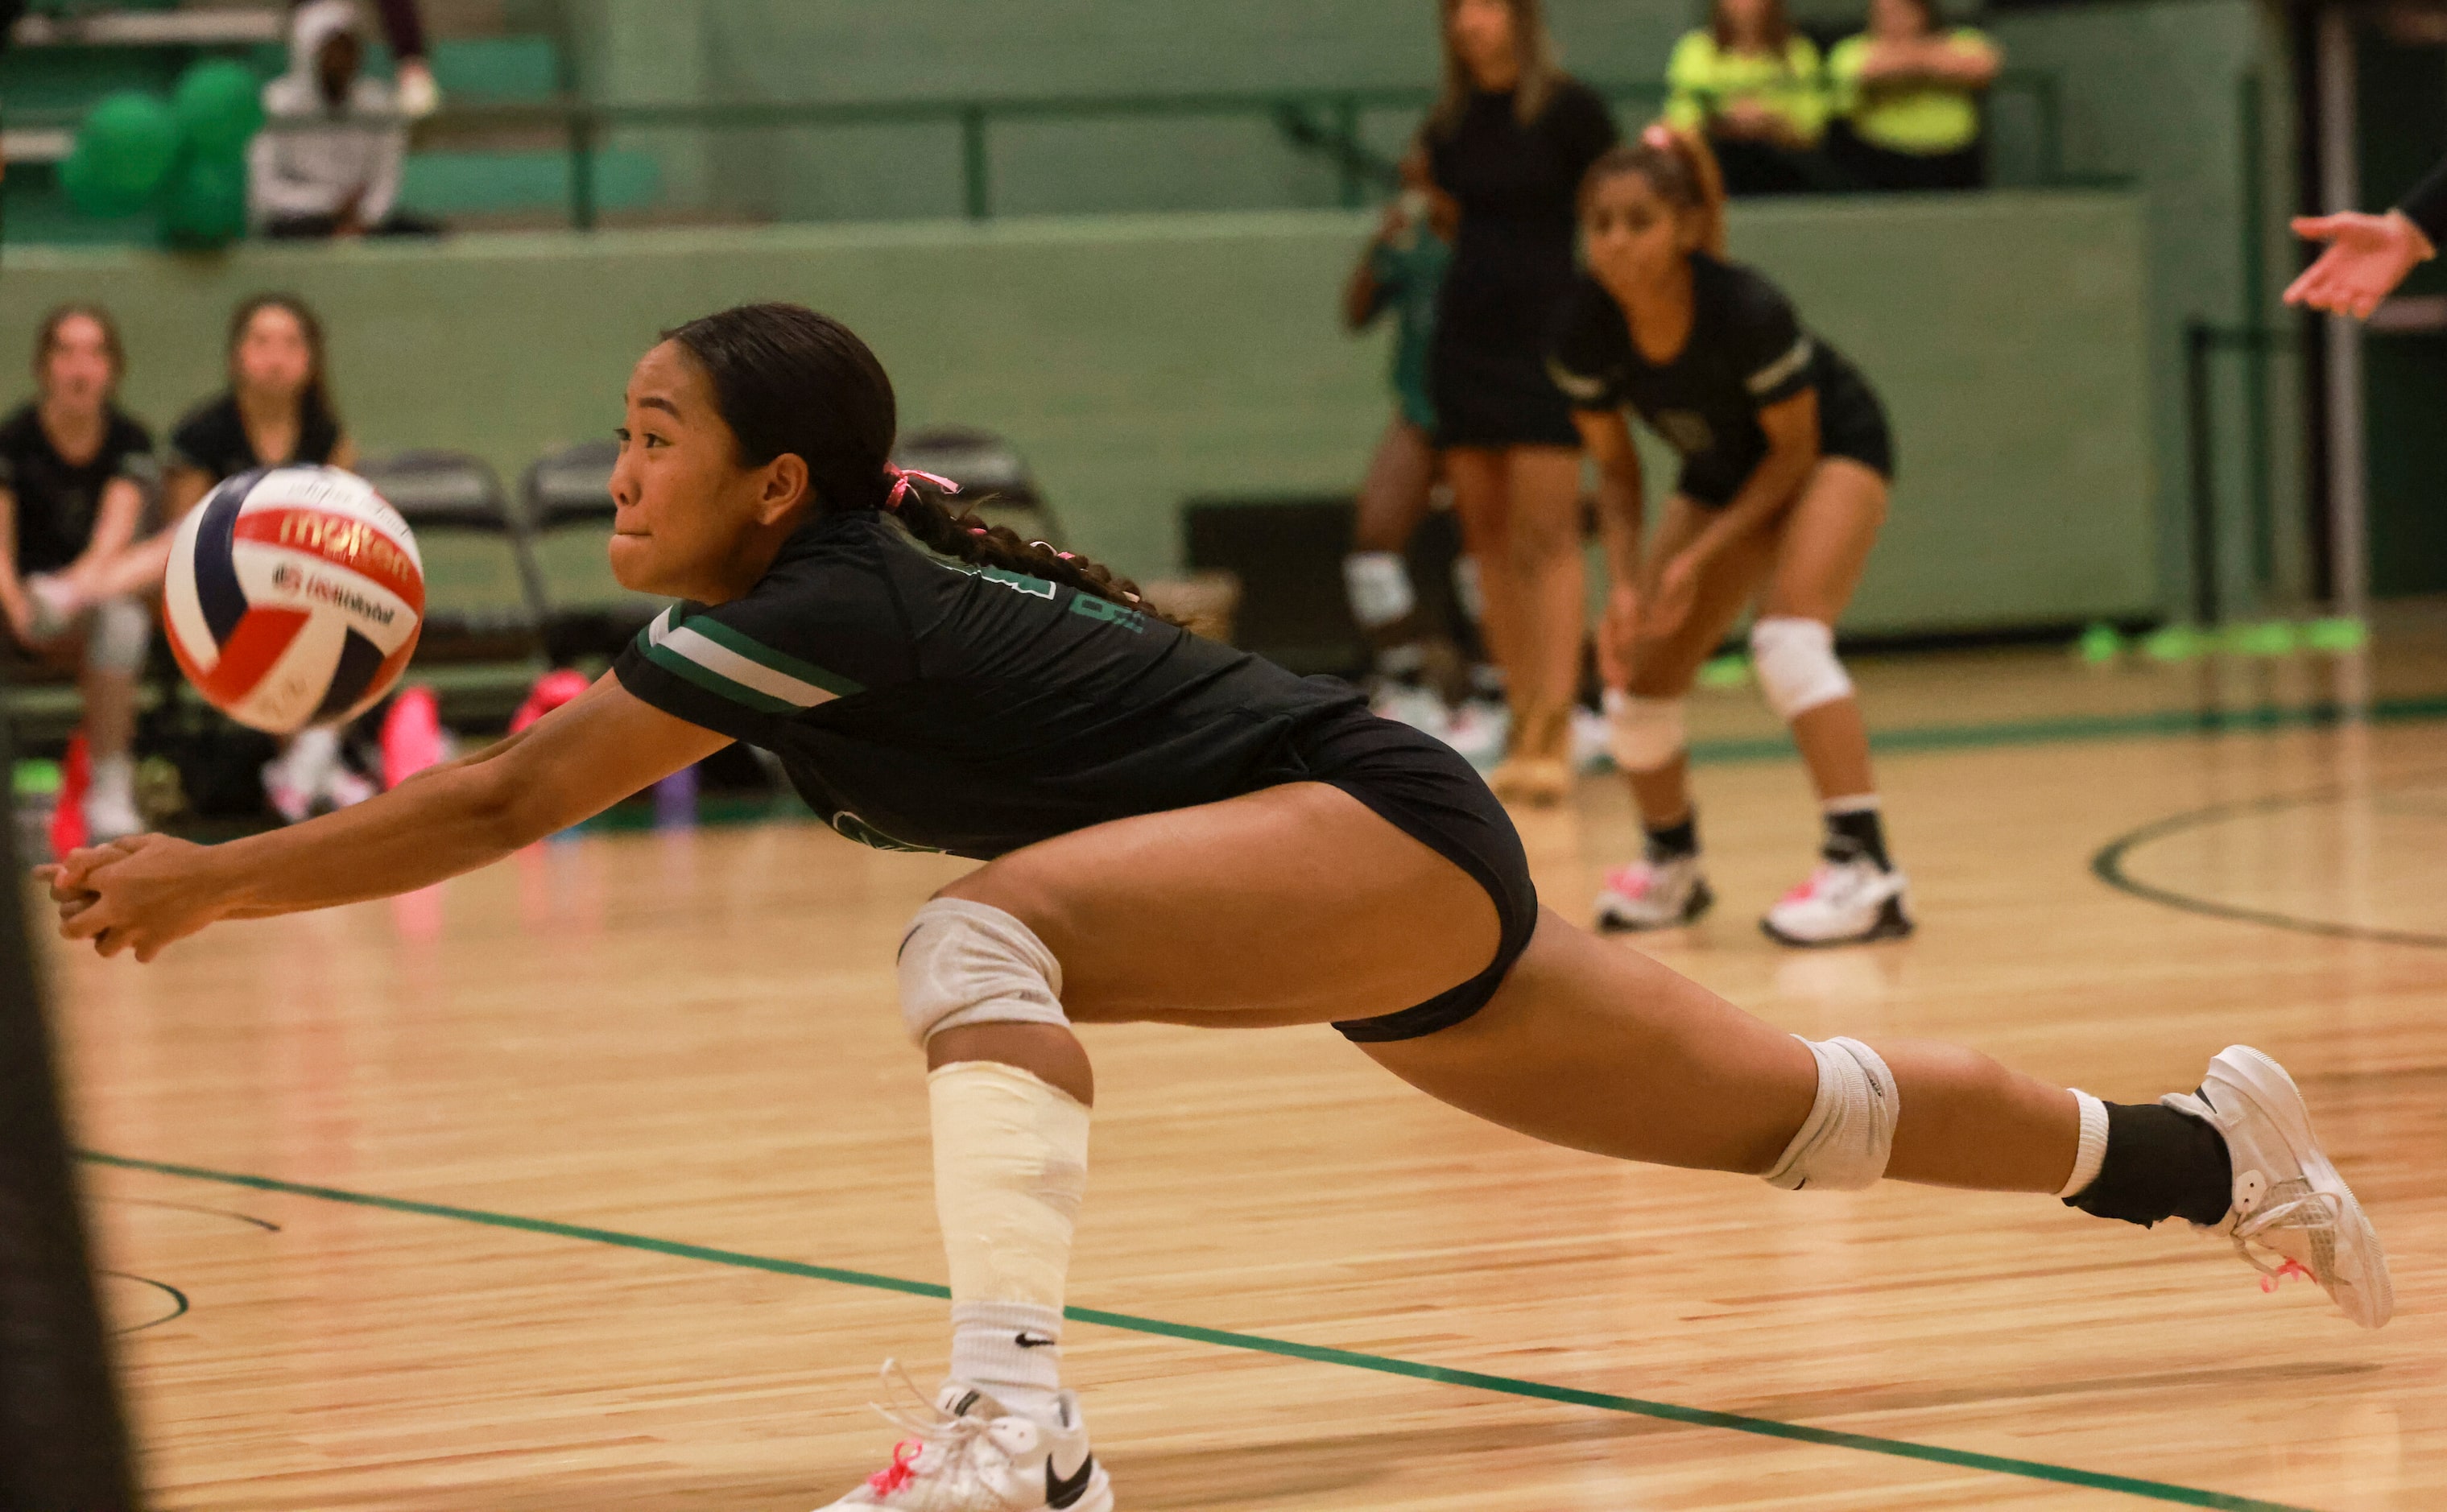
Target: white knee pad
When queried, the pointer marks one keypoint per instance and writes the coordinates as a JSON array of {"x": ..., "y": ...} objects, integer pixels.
[
  {"x": 964, "y": 963},
  {"x": 1844, "y": 1143},
  {"x": 1796, "y": 665},
  {"x": 1379, "y": 585},
  {"x": 115, "y": 635},
  {"x": 1643, "y": 734}
]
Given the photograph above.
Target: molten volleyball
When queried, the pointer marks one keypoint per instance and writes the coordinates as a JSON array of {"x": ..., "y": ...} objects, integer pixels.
[{"x": 294, "y": 598}]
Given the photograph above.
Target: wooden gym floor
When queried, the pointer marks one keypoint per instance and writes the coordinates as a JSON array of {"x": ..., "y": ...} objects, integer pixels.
[{"x": 598, "y": 1181}]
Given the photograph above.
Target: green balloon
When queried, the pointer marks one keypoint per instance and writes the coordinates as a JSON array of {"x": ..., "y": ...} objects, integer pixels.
[
  {"x": 204, "y": 204},
  {"x": 129, "y": 143},
  {"x": 218, "y": 104},
  {"x": 90, "y": 192}
]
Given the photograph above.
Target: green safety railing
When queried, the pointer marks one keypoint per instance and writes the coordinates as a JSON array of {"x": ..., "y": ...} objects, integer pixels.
[{"x": 1328, "y": 122}]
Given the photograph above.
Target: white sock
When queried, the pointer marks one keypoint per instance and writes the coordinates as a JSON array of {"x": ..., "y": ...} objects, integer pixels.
[
  {"x": 2091, "y": 1152},
  {"x": 1013, "y": 1349},
  {"x": 114, "y": 777},
  {"x": 1011, "y": 1167},
  {"x": 1851, "y": 804}
]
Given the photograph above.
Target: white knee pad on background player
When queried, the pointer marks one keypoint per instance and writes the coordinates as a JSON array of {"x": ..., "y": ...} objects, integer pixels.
[
  {"x": 1643, "y": 734},
  {"x": 964, "y": 963},
  {"x": 1379, "y": 585},
  {"x": 1795, "y": 662},
  {"x": 1844, "y": 1143}
]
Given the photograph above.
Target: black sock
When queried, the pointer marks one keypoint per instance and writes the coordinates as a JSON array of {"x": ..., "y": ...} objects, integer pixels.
[
  {"x": 1674, "y": 842},
  {"x": 1854, "y": 834},
  {"x": 2160, "y": 1163}
]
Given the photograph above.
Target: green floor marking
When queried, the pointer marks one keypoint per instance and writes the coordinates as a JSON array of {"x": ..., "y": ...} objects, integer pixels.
[
  {"x": 2072, "y": 728},
  {"x": 1383, "y": 1365}
]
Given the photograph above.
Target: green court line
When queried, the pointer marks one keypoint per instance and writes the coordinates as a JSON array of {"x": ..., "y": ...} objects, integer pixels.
[
  {"x": 1383, "y": 1365},
  {"x": 2108, "y": 866},
  {"x": 2075, "y": 727}
]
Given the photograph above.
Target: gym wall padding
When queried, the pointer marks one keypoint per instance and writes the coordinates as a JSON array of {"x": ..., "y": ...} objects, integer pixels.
[{"x": 1143, "y": 360}]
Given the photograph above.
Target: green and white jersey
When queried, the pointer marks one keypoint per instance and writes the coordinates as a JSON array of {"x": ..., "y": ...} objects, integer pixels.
[{"x": 919, "y": 705}]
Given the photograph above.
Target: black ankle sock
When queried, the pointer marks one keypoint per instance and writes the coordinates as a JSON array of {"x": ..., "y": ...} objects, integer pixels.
[
  {"x": 2160, "y": 1163},
  {"x": 1857, "y": 834},
  {"x": 1674, "y": 842}
]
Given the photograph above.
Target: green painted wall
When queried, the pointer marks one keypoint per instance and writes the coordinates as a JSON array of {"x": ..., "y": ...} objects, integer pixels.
[
  {"x": 2153, "y": 94},
  {"x": 1141, "y": 360}
]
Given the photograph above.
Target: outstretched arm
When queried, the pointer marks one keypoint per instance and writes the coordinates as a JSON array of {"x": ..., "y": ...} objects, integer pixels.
[{"x": 144, "y": 892}]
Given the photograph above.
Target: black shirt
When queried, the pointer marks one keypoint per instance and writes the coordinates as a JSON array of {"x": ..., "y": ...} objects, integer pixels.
[
  {"x": 1746, "y": 351},
  {"x": 919, "y": 705},
  {"x": 57, "y": 499},
  {"x": 1518, "y": 187},
  {"x": 211, "y": 439}
]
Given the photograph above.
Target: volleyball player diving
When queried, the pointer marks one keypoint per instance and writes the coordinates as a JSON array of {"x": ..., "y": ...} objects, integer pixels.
[
  {"x": 1172, "y": 831},
  {"x": 1786, "y": 460}
]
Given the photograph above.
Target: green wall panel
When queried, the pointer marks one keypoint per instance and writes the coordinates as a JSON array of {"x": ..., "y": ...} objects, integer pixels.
[{"x": 1140, "y": 360}]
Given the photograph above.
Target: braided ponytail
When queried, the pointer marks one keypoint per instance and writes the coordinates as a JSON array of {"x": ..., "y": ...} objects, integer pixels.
[
  {"x": 962, "y": 535},
  {"x": 790, "y": 380}
]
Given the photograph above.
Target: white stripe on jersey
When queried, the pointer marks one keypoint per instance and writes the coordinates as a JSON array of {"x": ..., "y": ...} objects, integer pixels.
[
  {"x": 1783, "y": 368},
  {"x": 732, "y": 667}
]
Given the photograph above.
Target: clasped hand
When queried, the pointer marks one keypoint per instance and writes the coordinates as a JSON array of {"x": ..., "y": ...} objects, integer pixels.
[{"x": 140, "y": 894}]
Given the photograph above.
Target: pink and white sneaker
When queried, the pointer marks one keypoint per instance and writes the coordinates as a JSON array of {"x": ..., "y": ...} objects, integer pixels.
[
  {"x": 966, "y": 1453},
  {"x": 1653, "y": 895},
  {"x": 1848, "y": 902},
  {"x": 2288, "y": 1199}
]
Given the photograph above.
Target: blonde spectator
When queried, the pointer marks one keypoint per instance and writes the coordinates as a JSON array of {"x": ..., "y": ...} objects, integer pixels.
[
  {"x": 1908, "y": 95},
  {"x": 1753, "y": 87}
]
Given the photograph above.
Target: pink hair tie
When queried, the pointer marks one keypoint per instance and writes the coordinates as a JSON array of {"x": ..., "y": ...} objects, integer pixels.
[
  {"x": 904, "y": 480},
  {"x": 1659, "y": 136}
]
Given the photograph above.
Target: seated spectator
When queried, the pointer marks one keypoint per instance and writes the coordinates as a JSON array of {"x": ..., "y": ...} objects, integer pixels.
[
  {"x": 74, "y": 473},
  {"x": 327, "y": 162},
  {"x": 1752, "y": 85},
  {"x": 276, "y": 412},
  {"x": 1908, "y": 100}
]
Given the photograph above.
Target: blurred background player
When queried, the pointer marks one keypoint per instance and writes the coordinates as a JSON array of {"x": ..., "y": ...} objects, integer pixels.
[
  {"x": 1786, "y": 460},
  {"x": 2368, "y": 256},
  {"x": 276, "y": 412},
  {"x": 1420, "y": 677},
  {"x": 1509, "y": 142},
  {"x": 75, "y": 472}
]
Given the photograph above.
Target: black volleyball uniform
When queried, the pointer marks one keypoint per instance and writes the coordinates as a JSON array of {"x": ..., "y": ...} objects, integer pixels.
[
  {"x": 1518, "y": 188},
  {"x": 57, "y": 499},
  {"x": 211, "y": 439},
  {"x": 919, "y": 705},
  {"x": 1746, "y": 351}
]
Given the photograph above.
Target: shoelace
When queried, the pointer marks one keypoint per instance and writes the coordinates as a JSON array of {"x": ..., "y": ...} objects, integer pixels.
[
  {"x": 937, "y": 1440},
  {"x": 2303, "y": 1209}
]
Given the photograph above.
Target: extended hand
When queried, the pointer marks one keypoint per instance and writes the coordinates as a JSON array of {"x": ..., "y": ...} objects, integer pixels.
[
  {"x": 137, "y": 894},
  {"x": 2367, "y": 257}
]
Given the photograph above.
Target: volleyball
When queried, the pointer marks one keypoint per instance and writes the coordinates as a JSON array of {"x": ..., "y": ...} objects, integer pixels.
[{"x": 295, "y": 597}]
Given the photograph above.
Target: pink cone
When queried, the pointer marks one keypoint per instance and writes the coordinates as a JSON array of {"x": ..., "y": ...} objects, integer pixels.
[
  {"x": 551, "y": 691},
  {"x": 412, "y": 736}
]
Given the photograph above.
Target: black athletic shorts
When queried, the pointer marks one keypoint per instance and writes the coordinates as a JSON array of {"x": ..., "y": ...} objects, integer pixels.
[{"x": 1422, "y": 787}]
